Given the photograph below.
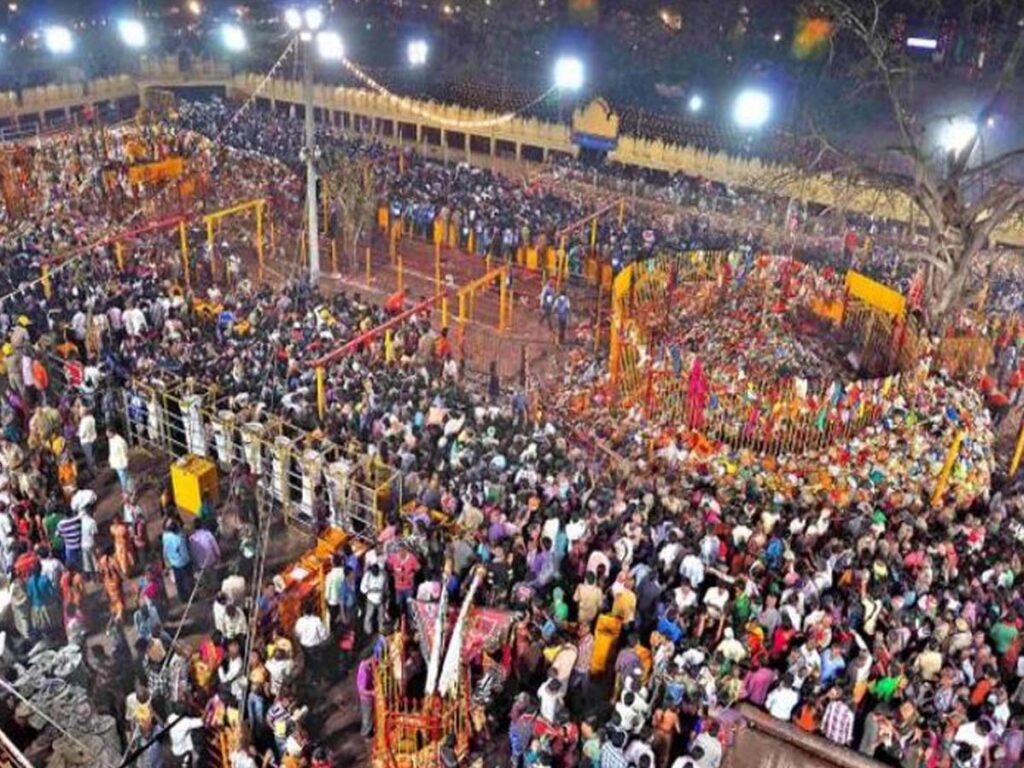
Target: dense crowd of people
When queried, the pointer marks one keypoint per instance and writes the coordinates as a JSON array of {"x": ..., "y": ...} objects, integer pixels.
[{"x": 654, "y": 588}]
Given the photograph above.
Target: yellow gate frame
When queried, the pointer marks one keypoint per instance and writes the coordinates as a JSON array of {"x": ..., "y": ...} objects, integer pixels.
[
  {"x": 212, "y": 218},
  {"x": 469, "y": 290}
]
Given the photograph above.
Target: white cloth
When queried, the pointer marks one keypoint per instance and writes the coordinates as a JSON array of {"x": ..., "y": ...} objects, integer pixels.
[
  {"x": 87, "y": 429},
  {"x": 89, "y": 531},
  {"x": 181, "y": 741},
  {"x": 780, "y": 703},
  {"x": 118, "y": 452},
  {"x": 310, "y": 631}
]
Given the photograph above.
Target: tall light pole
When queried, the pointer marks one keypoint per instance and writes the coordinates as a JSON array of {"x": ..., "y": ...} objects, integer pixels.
[{"x": 306, "y": 24}]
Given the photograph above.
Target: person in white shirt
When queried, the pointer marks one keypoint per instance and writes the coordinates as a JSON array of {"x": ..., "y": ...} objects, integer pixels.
[
  {"x": 118, "y": 458},
  {"x": 334, "y": 583},
  {"x": 312, "y": 635},
  {"x": 782, "y": 700},
  {"x": 372, "y": 587},
  {"x": 89, "y": 532},
  {"x": 135, "y": 322},
  {"x": 6, "y": 541},
  {"x": 87, "y": 439},
  {"x": 551, "y": 695},
  {"x": 710, "y": 748},
  {"x": 231, "y": 671},
  {"x": 692, "y": 569},
  {"x": 280, "y": 667},
  {"x": 230, "y": 620},
  {"x": 182, "y": 743}
]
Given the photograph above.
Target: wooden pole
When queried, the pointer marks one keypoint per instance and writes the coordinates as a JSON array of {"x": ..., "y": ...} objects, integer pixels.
[
  {"x": 1018, "y": 451},
  {"x": 321, "y": 395},
  {"x": 334, "y": 256},
  {"x": 437, "y": 266},
  {"x": 368, "y": 276},
  {"x": 502, "y": 302},
  {"x": 259, "y": 239},
  {"x": 183, "y": 235},
  {"x": 44, "y": 277},
  {"x": 401, "y": 276},
  {"x": 213, "y": 250},
  {"x": 119, "y": 255}
]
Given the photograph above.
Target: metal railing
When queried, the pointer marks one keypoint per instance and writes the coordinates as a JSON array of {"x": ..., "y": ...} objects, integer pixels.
[{"x": 303, "y": 473}]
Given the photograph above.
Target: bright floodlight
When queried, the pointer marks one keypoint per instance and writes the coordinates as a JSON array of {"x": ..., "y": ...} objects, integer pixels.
[
  {"x": 233, "y": 37},
  {"x": 417, "y": 52},
  {"x": 751, "y": 109},
  {"x": 314, "y": 18},
  {"x": 293, "y": 18},
  {"x": 957, "y": 134},
  {"x": 569, "y": 73},
  {"x": 133, "y": 32},
  {"x": 58, "y": 40},
  {"x": 696, "y": 103},
  {"x": 329, "y": 46}
]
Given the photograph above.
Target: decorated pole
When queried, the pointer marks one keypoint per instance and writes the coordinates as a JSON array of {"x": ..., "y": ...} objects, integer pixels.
[
  {"x": 947, "y": 468},
  {"x": 1018, "y": 451}
]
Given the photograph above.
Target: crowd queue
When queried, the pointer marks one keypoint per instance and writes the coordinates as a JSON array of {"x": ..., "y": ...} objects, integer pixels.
[{"x": 652, "y": 594}]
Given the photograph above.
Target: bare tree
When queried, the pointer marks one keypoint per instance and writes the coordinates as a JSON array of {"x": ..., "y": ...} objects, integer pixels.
[
  {"x": 351, "y": 186},
  {"x": 962, "y": 194}
]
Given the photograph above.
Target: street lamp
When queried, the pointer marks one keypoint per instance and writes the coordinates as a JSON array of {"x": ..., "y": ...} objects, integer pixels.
[
  {"x": 416, "y": 52},
  {"x": 751, "y": 109},
  {"x": 233, "y": 37},
  {"x": 328, "y": 44},
  {"x": 132, "y": 32},
  {"x": 568, "y": 73},
  {"x": 58, "y": 40},
  {"x": 957, "y": 134}
]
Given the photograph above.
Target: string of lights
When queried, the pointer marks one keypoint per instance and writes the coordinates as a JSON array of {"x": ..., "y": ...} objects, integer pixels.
[{"x": 412, "y": 106}]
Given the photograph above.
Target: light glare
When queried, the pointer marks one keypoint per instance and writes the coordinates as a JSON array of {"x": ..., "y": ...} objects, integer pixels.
[
  {"x": 696, "y": 103},
  {"x": 293, "y": 18},
  {"x": 569, "y": 73},
  {"x": 58, "y": 40},
  {"x": 133, "y": 32},
  {"x": 329, "y": 46},
  {"x": 314, "y": 18},
  {"x": 417, "y": 53},
  {"x": 233, "y": 37},
  {"x": 957, "y": 134},
  {"x": 751, "y": 109}
]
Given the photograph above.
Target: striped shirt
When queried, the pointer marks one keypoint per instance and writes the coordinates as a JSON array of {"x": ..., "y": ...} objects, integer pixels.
[
  {"x": 70, "y": 530},
  {"x": 837, "y": 724}
]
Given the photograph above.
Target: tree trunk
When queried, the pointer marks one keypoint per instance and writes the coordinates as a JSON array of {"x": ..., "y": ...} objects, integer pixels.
[{"x": 945, "y": 290}]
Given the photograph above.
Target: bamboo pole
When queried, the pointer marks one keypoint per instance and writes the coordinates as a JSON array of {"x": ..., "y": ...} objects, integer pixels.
[
  {"x": 212, "y": 248},
  {"x": 947, "y": 468},
  {"x": 1018, "y": 451},
  {"x": 321, "y": 395},
  {"x": 183, "y": 235},
  {"x": 368, "y": 275},
  {"x": 259, "y": 239}
]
